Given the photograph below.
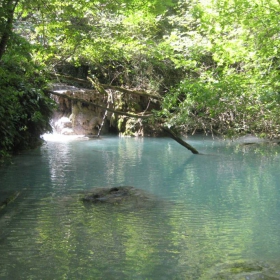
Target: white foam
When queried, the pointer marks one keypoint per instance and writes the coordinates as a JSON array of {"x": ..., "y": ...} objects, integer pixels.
[{"x": 62, "y": 138}]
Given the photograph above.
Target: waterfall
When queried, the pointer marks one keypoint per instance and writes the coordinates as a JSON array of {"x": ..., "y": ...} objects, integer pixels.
[{"x": 75, "y": 117}]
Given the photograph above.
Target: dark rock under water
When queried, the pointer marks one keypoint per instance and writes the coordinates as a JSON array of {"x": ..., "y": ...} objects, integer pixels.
[
  {"x": 123, "y": 195},
  {"x": 249, "y": 270}
]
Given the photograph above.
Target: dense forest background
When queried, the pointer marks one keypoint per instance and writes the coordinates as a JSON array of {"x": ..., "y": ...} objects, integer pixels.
[{"x": 216, "y": 64}]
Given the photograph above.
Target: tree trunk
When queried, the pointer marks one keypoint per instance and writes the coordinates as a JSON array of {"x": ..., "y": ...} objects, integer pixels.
[
  {"x": 9, "y": 10},
  {"x": 180, "y": 140}
]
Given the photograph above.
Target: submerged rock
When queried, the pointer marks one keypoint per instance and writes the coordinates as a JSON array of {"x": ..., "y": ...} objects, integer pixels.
[
  {"x": 244, "y": 270},
  {"x": 124, "y": 195}
]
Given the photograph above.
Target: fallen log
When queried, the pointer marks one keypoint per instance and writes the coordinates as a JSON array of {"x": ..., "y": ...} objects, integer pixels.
[{"x": 179, "y": 140}]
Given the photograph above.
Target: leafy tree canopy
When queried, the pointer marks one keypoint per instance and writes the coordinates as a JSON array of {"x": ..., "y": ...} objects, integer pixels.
[{"x": 215, "y": 63}]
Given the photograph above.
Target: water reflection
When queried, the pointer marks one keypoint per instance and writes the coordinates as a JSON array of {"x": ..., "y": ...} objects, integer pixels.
[{"x": 213, "y": 211}]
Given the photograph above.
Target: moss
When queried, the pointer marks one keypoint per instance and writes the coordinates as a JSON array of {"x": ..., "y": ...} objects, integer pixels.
[
  {"x": 128, "y": 133},
  {"x": 121, "y": 123},
  {"x": 135, "y": 107},
  {"x": 244, "y": 267},
  {"x": 236, "y": 270}
]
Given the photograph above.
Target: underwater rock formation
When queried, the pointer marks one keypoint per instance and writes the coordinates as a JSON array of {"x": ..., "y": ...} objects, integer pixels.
[
  {"x": 123, "y": 195},
  {"x": 244, "y": 270}
]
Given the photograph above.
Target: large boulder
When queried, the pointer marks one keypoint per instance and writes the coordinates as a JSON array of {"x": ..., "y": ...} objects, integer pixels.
[
  {"x": 77, "y": 117},
  {"x": 86, "y": 119}
]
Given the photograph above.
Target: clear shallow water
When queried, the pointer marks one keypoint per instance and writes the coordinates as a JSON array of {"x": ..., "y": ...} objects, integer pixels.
[{"x": 213, "y": 211}]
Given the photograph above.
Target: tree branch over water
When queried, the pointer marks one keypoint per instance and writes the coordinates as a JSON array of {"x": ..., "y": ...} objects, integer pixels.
[
  {"x": 99, "y": 106},
  {"x": 180, "y": 140},
  {"x": 97, "y": 86},
  {"x": 135, "y": 92},
  {"x": 101, "y": 89}
]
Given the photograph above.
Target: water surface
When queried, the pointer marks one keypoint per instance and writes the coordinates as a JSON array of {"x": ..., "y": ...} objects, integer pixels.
[{"x": 214, "y": 210}]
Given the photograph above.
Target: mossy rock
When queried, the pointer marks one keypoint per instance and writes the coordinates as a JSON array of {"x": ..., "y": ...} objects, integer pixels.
[
  {"x": 243, "y": 270},
  {"x": 124, "y": 196}
]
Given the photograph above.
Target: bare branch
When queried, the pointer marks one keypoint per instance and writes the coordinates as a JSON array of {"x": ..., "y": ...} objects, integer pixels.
[
  {"x": 124, "y": 90},
  {"x": 94, "y": 81},
  {"x": 180, "y": 140},
  {"x": 97, "y": 86}
]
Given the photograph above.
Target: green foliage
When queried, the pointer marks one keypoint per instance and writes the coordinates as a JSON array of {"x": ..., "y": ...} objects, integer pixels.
[
  {"x": 216, "y": 63},
  {"x": 24, "y": 109},
  {"x": 225, "y": 106},
  {"x": 118, "y": 40},
  {"x": 230, "y": 54}
]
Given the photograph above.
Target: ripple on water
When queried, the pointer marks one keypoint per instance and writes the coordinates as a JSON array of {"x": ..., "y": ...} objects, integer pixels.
[{"x": 217, "y": 214}]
